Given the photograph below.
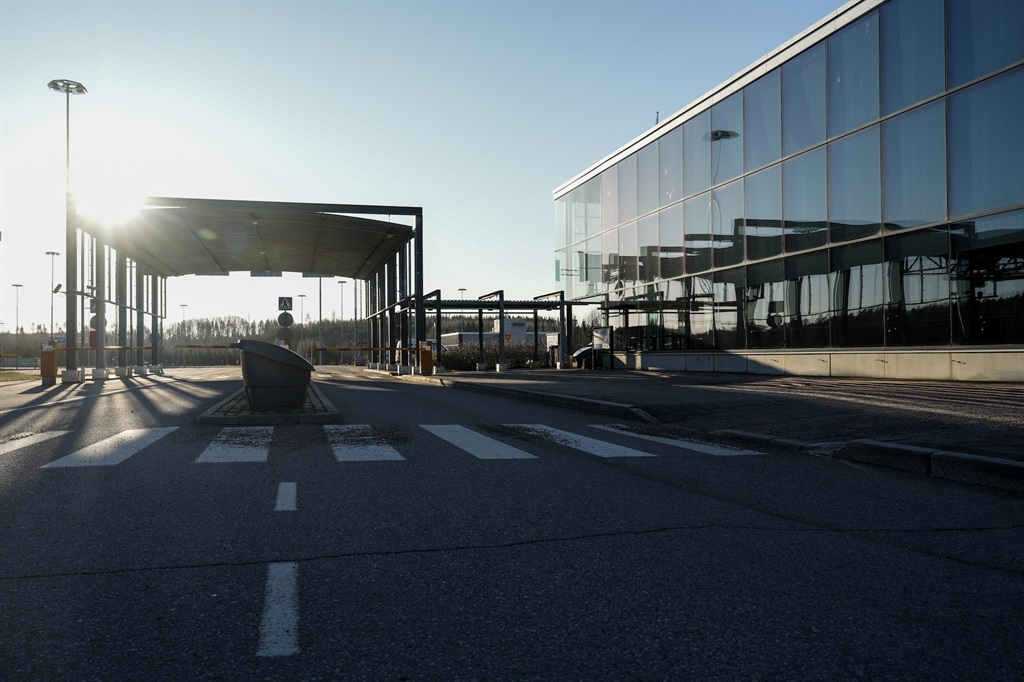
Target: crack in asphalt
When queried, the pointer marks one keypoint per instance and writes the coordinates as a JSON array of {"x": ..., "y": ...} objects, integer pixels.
[{"x": 412, "y": 551}]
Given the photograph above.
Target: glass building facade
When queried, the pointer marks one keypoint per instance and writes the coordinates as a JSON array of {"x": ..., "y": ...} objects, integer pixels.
[{"x": 860, "y": 187}]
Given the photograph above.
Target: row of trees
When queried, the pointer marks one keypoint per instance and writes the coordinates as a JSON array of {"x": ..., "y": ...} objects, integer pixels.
[{"x": 221, "y": 331}]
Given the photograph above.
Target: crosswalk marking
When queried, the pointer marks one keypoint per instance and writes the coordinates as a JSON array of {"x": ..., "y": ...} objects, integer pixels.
[
  {"x": 113, "y": 450},
  {"x": 592, "y": 446},
  {"x": 716, "y": 450},
  {"x": 476, "y": 444},
  {"x": 238, "y": 444},
  {"x": 286, "y": 496},
  {"x": 358, "y": 443},
  {"x": 21, "y": 440}
]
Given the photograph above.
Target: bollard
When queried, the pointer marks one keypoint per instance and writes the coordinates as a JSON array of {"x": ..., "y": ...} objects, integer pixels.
[
  {"x": 48, "y": 365},
  {"x": 426, "y": 358}
]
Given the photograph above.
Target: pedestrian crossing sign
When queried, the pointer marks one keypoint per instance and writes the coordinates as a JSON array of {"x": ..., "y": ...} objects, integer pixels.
[{"x": 284, "y": 302}]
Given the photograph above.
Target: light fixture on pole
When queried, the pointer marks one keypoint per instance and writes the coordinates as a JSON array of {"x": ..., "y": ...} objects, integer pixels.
[
  {"x": 51, "y": 254},
  {"x": 69, "y": 87},
  {"x": 462, "y": 313},
  {"x": 17, "y": 323}
]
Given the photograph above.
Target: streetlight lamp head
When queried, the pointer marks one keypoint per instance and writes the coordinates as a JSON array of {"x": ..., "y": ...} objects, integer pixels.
[{"x": 66, "y": 86}]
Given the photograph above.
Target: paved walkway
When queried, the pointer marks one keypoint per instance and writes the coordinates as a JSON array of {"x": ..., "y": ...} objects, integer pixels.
[{"x": 908, "y": 424}]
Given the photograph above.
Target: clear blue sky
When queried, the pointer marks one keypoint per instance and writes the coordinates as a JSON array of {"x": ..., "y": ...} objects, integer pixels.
[{"x": 475, "y": 111}]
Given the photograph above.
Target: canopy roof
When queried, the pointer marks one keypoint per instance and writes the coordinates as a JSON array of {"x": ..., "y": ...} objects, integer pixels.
[{"x": 172, "y": 237}]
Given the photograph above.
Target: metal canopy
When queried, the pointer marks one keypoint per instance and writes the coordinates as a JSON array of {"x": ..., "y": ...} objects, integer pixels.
[{"x": 173, "y": 237}]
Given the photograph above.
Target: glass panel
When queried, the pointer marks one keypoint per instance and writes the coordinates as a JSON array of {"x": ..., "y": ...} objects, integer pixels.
[
  {"x": 697, "y": 147},
  {"x": 805, "y": 201},
  {"x": 764, "y": 213},
  {"x": 913, "y": 51},
  {"x": 670, "y": 230},
  {"x": 984, "y": 36},
  {"x": 595, "y": 271},
  {"x": 854, "y": 186},
  {"x": 629, "y": 261},
  {"x": 914, "y": 167},
  {"x": 858, "y": 288},
  {"x": 670, "y": 160},
  {"x": 853, "y": 75},
  {"x": 727, "y": 223},
  {"x": 609, "y": 198},
  {"x": 765, "y": 305},
  {"x": 697, "y": 228},
  {"x": 700, "y": 312},
  {"x": 627, "y": 188},
  {"x": 917, "y": 302},
  {"x": 647, "y": 236},
  {"x": 988, "y": 279},
  {"x": 762, "y": 119},
  {"x": 807, "y": 301},
  {"x": 675, "y": 315},
  {"x": 729, "y": 286},
  {"x": 610, "y": 260},
  {"x": 803, "y": 100},
  {"x": 562, "y": 221},
  {"x": 985, "y": 142},
  {"x": 592, "y": 198},
  {"x": 647, "y": 179},
  {"x": 727, "y": 139}
]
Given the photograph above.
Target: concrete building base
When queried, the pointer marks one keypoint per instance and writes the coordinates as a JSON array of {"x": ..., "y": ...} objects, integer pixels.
[
  {"x": 141, "y": 371},
  {"x": 123, "y": 372},
  {"x": 101, "y": 374},
  {"x": 953, "y": 365}
]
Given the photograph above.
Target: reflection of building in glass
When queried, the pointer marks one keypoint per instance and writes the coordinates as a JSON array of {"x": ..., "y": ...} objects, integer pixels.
[{"x": 861, "y": 187}]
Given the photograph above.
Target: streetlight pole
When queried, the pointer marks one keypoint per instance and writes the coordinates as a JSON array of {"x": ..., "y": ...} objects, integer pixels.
[
  {"x": 69, "y": 87},
  {"x": 462, "y": 315},
  {"x": 51, "y": 254},
  {"x": 184, "y": 338},
  {"x": 302, "y": 315},
  {"x": 341, "y": 321},
  {"x": 17, "y": 323}
]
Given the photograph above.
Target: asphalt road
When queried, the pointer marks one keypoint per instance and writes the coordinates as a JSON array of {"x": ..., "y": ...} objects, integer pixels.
[{"x": 444, "y": 534}]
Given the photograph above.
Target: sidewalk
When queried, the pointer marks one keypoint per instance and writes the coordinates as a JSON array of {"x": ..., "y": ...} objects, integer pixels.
[{"x": 970, "y": 432}]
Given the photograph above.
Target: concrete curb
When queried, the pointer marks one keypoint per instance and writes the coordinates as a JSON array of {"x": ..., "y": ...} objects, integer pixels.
[
  {"x": 604, "y": 407},
  {"x": 954, "y": 466},
  {"x": 220, "y": 414}
]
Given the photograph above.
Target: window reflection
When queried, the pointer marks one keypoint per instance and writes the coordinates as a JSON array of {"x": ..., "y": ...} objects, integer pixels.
[
  {"x": 697, "y": 150},
  {"x": 984, "y": 36},
  {"x": 730, "y": 329},
  {"x": 807, "y": 301},
  {"x": 670, "y": 232},
  {"x": 805, "y": 202},
  {"x": 764, "y": 213},
  {"x": 670, "y": 161},
  {"x": 726, "y": 138},
  {"x": 914, "y": 167},
  {"x": 985, "y": 142},
  {"x": 913, "y": 53},
  {"x": 853, "y": 75},
  {"x": 627, "y": 188},
  {"x": 917, "y": 302},
  {"x": 647, "y": 237},
  {"x": 609, "y": 198},
  {"x": 854, "y": 186},
  {"x": 699, "y": 238},
  {"x": 610, "y": 275},
  {"x": 765, "y": 305},
  {"x": 762, "y": 106},
  {"x": 803, "y": 100},
  {"x": 701, "y": 312},
  {"x": 988, "y": 279},
  {"x": 647, "y": 179},
  {"x": 858, "y": 285},
  {"x": 727, "y": 223},
  {"x": 629, "y": 261}
]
